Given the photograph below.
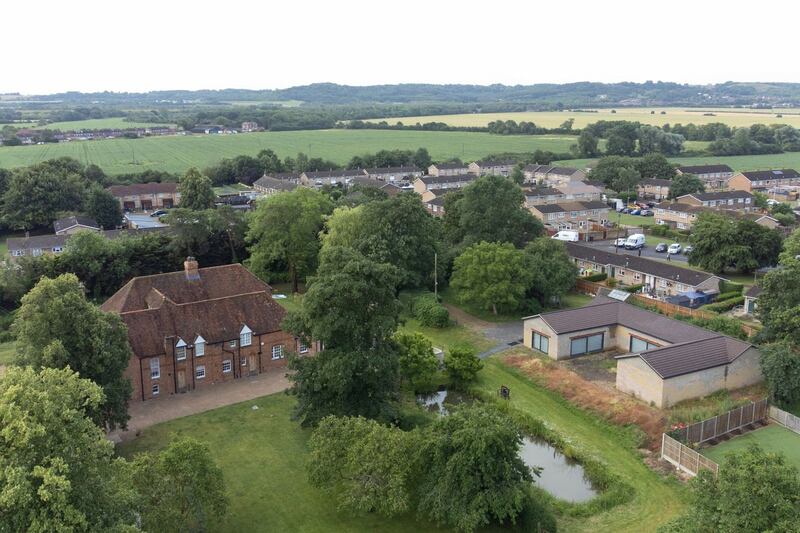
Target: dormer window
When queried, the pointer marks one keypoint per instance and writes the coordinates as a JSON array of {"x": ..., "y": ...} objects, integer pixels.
[
  {"x": 180, "y": 350},
  {"x": 199, "y": 346},
  {"x": 245, "y": 336}
]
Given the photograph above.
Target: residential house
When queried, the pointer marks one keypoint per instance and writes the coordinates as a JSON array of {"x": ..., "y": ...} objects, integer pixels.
[
  {"x": 435, "y": 206},
  {"x": 664, "y": 361},
  {"x": 146, "y": 196},
  {"x": 34, "y": 246},
  {"x": 751, "y": 299},
  {"x": 761, "y": 180},
  {"x": 388, "y": 187},
  {"x": 74, "y": 224},
  {"x": 403, "y": 173},
  {"x": 448, "y": 169},
  {"x": 658, "y": 278},
  {"x": 543, "y": 195},
  {"x": 329, "y": 177},
  {"x": 249, "y": 126},
  {"x": 580, "y": 216},
  {"x": 653, "y": 188},
  {"x": 199, "y": 327},
  {"x": 427, "y": 183},
  {"x": 580, "y": 190},
  {"x": 553, "y": 176},
  {"x": 492, "y": 168},
  {"x": 715, "y": 177},
  {"x": 677, "y": 215},
  {"x": 733, "y": 199},
  {"x": 267, "y": 186}
]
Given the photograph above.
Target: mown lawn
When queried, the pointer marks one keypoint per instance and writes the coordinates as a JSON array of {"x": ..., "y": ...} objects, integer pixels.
[
  {"x": 656, "y": 500},
  {"x": 450, "y": 296},
  {"x": 773, "y": 438},
  {"x": 449, "y": 337}
]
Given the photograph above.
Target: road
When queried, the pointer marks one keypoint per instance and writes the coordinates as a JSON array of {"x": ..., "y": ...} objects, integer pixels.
[{"x": 648, "y": 251}]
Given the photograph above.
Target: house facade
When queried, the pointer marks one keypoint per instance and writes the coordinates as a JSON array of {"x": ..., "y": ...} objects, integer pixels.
[
  {"x": 714, "y": 177},
  {"x": 552, "y": 176},
  {"x": 663, "y": 361},
  {"x": 732, "y": 199},
  {"x": 677, "y": 215},
  {"x": 200, "y": 327},
  {"x": 268, "y": 186},
  {"x": 578, "y": 216},
  {"x": 146, "y": 196},
  {"x": 659, "y": 279},
  {"x": 653, "y": 188},
  {"x": 761, "y": 180},
  {"x": 319, "y": 178},
  {"x": 74, "y": 224},
  {"x": 543, "y": 195},
  {"x": 492, "y": 168},
  {"x": 404, "y": 173},
  {"x": 428, "y": 183},
  {"x": 34, "y": 246},
  {"x": 448, "y": 169}
]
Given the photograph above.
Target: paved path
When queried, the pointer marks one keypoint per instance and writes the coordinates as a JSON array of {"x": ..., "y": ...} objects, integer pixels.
[
  {"x": 504, "y": 334},
  {"x": 151, "y": 412},
  {"x": 648, "y": 251}
]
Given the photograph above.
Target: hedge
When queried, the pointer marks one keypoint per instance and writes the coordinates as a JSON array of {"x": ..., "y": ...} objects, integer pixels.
[
  {"x": 721, "y": 307},
  {"x": 430, "y": 313},
  {"x": 634, "y": 288},
  {"x": 729, "y": 286},
  {"x": 600, "y": 276},
  {"x": 727, "y": 296}
]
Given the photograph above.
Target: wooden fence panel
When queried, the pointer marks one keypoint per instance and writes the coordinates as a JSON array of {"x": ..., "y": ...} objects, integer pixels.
[
  {"x": 684, "y": 457},
  {"x": 787, "y": 420},
  {"x": 717, "y": 426}
]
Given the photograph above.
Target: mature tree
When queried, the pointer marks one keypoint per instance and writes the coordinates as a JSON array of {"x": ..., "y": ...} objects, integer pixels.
[
  {"x": 100, "y": 264},
  {"x": 196, "y": 190},
  {"x": 626, "y": 181},
  {"x": 754, "y": 491},
  {"x": 765, "y": 243},
  {"x": 621, "y": 139},
  {"x": 364, "y": 466},
  {"x": 452, "y": 231},
  {"x": 517, "y": 175},
  {"x": 760, "y": 200},
  {"x": 180, "y": 488},
  {"x": 422, "y": 159},
  {"x": 685, "y": 184},
  {"x": 492, "y": 276},
  {"x": 346, "y": 382},
  {"x": 791, "y": 248},
  {"x": 779, "y": 302},
  {"x": 587, "y": 144},
  {"x": 608, "y": 169},
  {"x": 36, "y": 194},
  {"x": 653, "y": 139},
  {"x": 551, "y": 268},
  {"x": 350, "y": 304},
  {"x": 462, "y": 365},
  {"x": 95, "y": 174},
  {"x": 780, "y": 364},
  {"x": 655, "y": 166},
  {"x": 102, "y": 206},
  {"x": 418, "y": 364},
  {"x": 472, "y": 473},
  {"x": 284, "y": 232},
  {"x": 212, "y": 236},
  {"x": 398, "y": 231},
  {"x": 57, "y": 327},
  {"x": 722, "y": 242},
  {"x": 57, "y": 468},
  {"x": 270, "y": 162},
  {"x": 493, "y": 210}
]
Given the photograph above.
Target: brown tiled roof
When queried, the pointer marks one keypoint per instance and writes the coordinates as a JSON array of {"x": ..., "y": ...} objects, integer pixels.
[
  {"x": 143, "y": 188},
  {"x": 215, "y": 306},
  {"x": 687, "y": 357},
  {"x": 681, "y": 208},
  {"x": 433, "y": 180},
  {"x": 769, "y": 175},
  {"x": 705, "y": 169},
  {"x": 79, "y": 220},
  {"x": 719, "y": 195},
  {"x": 570, "y": 206}
]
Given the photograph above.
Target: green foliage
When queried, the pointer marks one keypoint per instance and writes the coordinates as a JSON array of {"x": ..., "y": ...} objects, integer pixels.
[
  {"x": 726, "y": 286},
  {"x": 196, "y": 190},
  {"x": 365, "y": 466},
  {"x": 57, "y": 468},
  {"x": 102, "y": 206},
  {"x": 492, "y": 209},
  {"x": 284, "y": 232},
  {"x": 723, "y": 296},
  {"x": 609, "y": 168},
  {"x": 418, "y": 364},
  {"x": 685, "y": 184},
  {"x": 655, "y": 165},
  {"x": 778, "y": 303},
  {"x": 429, "y": 312},
  {"x": 634, "y": 288},
  {"x": 180, "y": 488},
  {"x": 725, "y": 305},
  {"x": 600, "y": 276},
  {"x": 587, "y": 144},
  {"x": 35, "y": 195},
  {"x": 754, "y": 491},
  {"x": 721, "y": 324},
  {"x": 791, "y": 248},
  {"x": 722, "y": 242},
  {"x": 491, "y": 275},
  {"x": 211, "y": 236},
  {"x": 462, "y": 365},
  {"x": 57, "y": 327},
  {"x": 472, "y": 472},
  {"x": 780, "y": 364},
  {"x": 627, "y": 179},
  {"x": 553, "y": 272}
]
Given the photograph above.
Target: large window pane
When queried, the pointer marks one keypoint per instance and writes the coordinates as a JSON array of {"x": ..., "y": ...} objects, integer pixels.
[
  {"x": 595, "y": 343},
  {"x": 578, "y": 346},
  {"x": 638, "y": 345},
  {"x": 545, "y": 345}
]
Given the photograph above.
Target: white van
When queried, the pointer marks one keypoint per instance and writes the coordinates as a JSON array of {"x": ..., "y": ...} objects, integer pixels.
[
  {"x": 566, "y": 235},
  {"x": 635, "y": 242}
]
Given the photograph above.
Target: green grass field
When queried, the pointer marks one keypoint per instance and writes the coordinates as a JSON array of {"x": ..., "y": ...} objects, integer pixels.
[
  {"x": 449, "y": 337},
  {"x": 102, "y": 123},
  {"x": 773, "y": 438},
  {"x": 177, "y": 153},
  {"x": 673, "y": 115}
]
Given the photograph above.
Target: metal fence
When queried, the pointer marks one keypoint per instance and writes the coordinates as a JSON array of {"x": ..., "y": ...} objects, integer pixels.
[
  {"x": 723, "y": 424},
  {"x": 684, "y": 457},
  {"x": 787, "y": 420}
]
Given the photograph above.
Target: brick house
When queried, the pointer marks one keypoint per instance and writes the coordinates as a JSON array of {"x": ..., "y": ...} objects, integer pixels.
[
  {"x": 393, "y": 173},
  {"x": 198, "y": 327},
  {"x": 653, "y": 188},
  {"x": 267, "y": 185},
  {"x": 578, "y": 216},
  {"x": 329, "y": 177},
  {"x": 760, "y": 180},
  {"x": 543, "y": 195},
  {"x": 677, "y": 215},
  {"x": 146, "y": 196},
  {"x": 552, "y": 176},
  {"x": 448, "y": 169},
  {"x": 715, "y": 177},
  {"x": 429, "y": 183},
  {"x": 734, "y": 199},
  {"x": 435, "y": 206},
  {"x": 492, "y": 168}
]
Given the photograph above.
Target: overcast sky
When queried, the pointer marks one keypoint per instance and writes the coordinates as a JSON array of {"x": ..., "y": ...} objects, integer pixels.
[{"x": 53, "y": 46}]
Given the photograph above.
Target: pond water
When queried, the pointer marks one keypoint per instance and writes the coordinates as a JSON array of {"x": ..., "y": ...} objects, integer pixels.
[{"x": 561, "y": 477}]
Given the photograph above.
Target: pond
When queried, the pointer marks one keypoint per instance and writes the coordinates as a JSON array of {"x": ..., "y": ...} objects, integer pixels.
[{"x": 561, "y": 477}]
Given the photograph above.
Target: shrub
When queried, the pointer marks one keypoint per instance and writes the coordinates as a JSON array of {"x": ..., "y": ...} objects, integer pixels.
[
  {"x": 729, "y": 286},
  {"x": 634, "y": 288},
  {"x": 600, "y": 276},
  {"x": 537, "y": 513},
  {"x": 721, "y": 324},
  {"x": 430, "y": 313},
  {"x": 611, "y": 282},
  {"x": 727, "y": 296},
  {"x": 727, "y": 305},
  {"x": 462, "y": 366}
]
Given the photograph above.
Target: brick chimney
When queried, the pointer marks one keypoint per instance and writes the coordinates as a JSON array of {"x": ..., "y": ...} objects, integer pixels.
[{"x": 191, "y": 269}]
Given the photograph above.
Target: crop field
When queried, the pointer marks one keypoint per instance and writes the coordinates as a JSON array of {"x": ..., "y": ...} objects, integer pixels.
[
  {"x": 645, "y": 115},
  {"x": 773, "y": 438},
  {"x": 177, "y": 153},
  {"x": 102, "y": 123}
]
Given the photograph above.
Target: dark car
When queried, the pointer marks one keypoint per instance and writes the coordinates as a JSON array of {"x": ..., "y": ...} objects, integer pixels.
[
  {"x": 158, "y": 213},
  {"x": 661, "y": 247}
]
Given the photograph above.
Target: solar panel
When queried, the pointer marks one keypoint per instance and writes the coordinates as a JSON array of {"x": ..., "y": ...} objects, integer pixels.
[{"x": 619, "y": 295}]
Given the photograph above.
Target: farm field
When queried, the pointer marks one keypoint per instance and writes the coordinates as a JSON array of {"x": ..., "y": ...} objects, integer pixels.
[
  {"x": 773, "y": 438},
  {"x": 262, "y": 453},
  {"x": 645, "y": 115},
  {"x": 177, "y": 153},
  {"x": 102, "y": 123}
]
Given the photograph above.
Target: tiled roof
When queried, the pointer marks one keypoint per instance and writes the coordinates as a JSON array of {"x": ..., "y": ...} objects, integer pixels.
[
  {"x": 687, "y": 357},
  {"x": 433, "y": 180},
  {"x": 449, "y": 166},
  {"x": 392, "y": 170},
  {"x": 143, "y": 188},
  {"x": 720, "y": 195},
  {"x": 570, "y": 206},
  {"x": 266, "y": 182},
  {"x": 656, "y": 181},
  {"x": 44, "y": 242},
  {"x": 769, "y": 175},
  {"x": 68, "y": 222},
  {"x": 498, "y": 163},
  {"x": 317, "y": 174},
  {"x": 753, "y": 292},
  {"x": 681, "y": 208},
  {"x": 543, "y": 191},
  {"x": 639, "y": 264},
  {"x": 705, "y": 169}
]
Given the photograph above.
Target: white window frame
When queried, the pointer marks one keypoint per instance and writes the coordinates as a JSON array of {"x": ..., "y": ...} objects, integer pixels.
[
  {"x": 155, "y": 389},
  {"x": 155, "y": 369},
  {"x": 232, "y": 343},
  {"x": 280, "y": 350},
  {"x": 302, "y": 348},
  {"x": 180, "y": 350},
  {"x": 245, "y": 336},
  {"x": 227, "y": 363},
  {"x": 18, "y": 253},
  {"x": 199, "y": 346},
  {"x": 200, "y": 372}
]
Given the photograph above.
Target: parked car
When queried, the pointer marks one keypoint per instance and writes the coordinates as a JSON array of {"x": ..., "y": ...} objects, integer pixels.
[
  {"x": 566, "y": 235},
  {"x": 635, "y": 241},
  {"x": 689, "y": 248},
  {"x": 674, "y": 248},
  {"x": 158, "y": 213},
  {"x": 635, "y": 212},
  {"x": 619, "y": 243},
  {"x": 661, "y": 247},
  {"x": 646, "y": 213}
]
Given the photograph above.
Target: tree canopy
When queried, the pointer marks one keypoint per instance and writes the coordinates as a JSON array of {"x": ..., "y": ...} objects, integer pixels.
[
  {"x": 552, "y": 270},
  {"x": 35, "y": 195},
  {"x": 779, "y": 302},
  {"x": 197, "y": 191},
  {"x": 685, "y": 184},
  {"x": 722, "y": 242},
  {"x": 103, "y": 206}
]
